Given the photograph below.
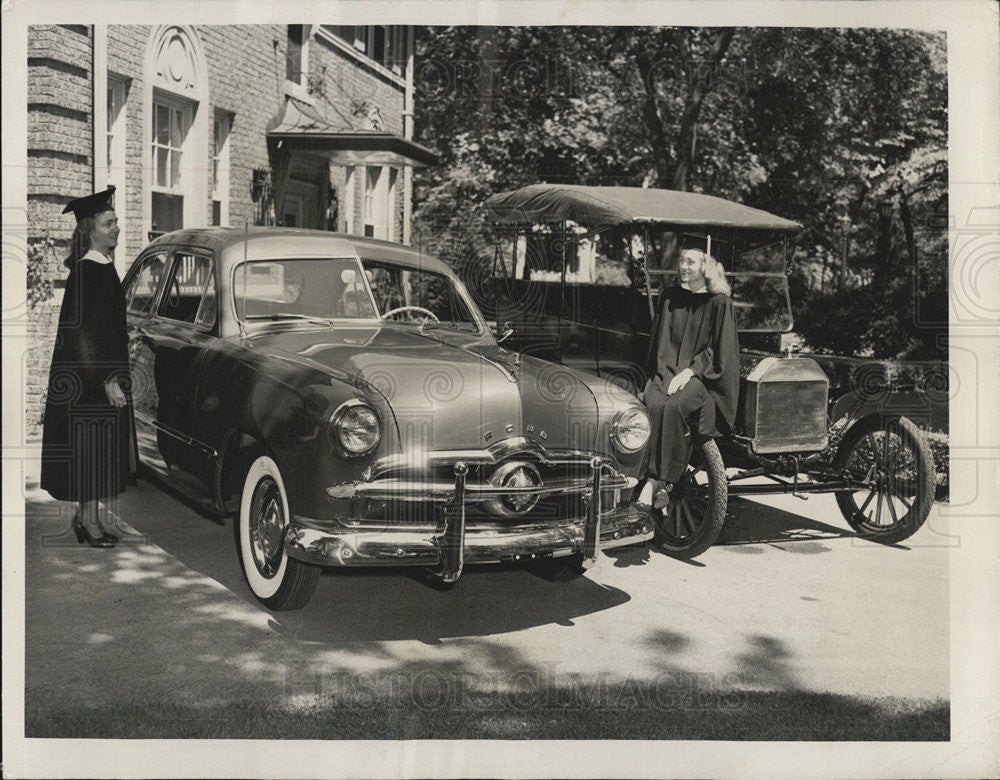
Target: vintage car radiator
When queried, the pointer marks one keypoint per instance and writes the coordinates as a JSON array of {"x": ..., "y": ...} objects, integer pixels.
[{"x": 784, "y": 406}]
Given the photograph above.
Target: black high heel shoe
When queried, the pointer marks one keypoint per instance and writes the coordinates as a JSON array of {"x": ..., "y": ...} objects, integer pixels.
[{"x": 83, "y": 536}]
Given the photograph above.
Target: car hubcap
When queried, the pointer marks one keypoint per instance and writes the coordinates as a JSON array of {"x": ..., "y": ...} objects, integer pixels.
[{"x": 267, "y": 525}]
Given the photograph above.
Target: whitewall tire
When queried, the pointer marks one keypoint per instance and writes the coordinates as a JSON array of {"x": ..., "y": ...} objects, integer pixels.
[{"x": 277, "y": 581}]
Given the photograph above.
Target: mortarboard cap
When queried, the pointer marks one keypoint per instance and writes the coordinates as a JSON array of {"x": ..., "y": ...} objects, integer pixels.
[{"x": 91, "y": 205}]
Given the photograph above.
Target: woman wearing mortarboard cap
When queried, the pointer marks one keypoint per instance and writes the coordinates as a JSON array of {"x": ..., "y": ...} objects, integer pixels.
[
  {"x": 694, "y": 372},
  {"x": 88, "y": 445}
]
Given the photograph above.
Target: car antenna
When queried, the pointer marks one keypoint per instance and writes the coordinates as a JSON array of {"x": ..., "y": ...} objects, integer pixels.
[{"x": 246, "y": 241}]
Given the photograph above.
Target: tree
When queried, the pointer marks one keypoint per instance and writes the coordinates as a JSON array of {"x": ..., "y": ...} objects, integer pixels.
[
  {"x": 818, "y": 125},
  {"x": 700, "y": 74}
]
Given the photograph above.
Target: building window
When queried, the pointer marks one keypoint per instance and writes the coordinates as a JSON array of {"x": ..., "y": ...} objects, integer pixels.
[
  {"x": 115, "y": 166},
  {"x": 390, "y": 206},
  {"x": 380, "y": 194},
  {"x": 346, "y": 32},
  {"x": 297, "y": 62},
  {"x": 293, "y": 58},
  {"x": 397, "y": 52},
  {"x": 349, "y": 184},
  {"x": 389, "y": 47},
  {"x": 116, "y": 132},
  {"x": 171, "y": 123},
  {"x": 360, "y": 40},
  {"x": 385, "y": 44},
  {"x": 376, "y": 43},
  {"x": 220, "y": 169},
  {"x": 177, "y": 125},
  {"x": 373, "y": 180}
]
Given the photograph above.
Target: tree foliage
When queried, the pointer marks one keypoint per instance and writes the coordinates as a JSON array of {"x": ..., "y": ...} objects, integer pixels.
[{"x": 823, "y": 126}]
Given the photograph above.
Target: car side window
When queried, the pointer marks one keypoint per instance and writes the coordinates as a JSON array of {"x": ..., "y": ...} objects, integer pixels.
[
  {"x": 190, "y": 295},
  {"x": 141, "y": 288}
]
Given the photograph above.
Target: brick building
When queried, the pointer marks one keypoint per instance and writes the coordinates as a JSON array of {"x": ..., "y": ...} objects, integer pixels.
[{"x": 304, "y": 125}]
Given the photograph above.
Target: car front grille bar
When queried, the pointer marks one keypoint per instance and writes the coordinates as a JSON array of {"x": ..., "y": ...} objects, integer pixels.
[
  {"x": 453, "y": 554},
  {"x": 393, "y": 489},
  {"x": 453, "y": 539},
  {"x": 592, "y": 530}
]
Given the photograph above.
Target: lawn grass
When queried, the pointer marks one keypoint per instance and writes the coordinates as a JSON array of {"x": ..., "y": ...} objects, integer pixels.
[{"x": 557, "y": 713}]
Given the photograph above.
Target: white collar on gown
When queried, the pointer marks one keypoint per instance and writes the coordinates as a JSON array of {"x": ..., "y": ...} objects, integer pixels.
[{"x": 97, "y": 257}]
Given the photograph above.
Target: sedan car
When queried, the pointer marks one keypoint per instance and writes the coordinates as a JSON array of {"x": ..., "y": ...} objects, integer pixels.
[{"x": 346, "y": 400}]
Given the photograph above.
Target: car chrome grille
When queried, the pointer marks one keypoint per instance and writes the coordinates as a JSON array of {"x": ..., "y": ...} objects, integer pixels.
[{"x": 419, "y": 498}]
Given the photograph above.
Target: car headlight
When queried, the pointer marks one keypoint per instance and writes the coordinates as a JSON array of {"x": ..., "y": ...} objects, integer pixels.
[
  {"x": 355, "y": 427},
  {"x": 630, "y": 430}
]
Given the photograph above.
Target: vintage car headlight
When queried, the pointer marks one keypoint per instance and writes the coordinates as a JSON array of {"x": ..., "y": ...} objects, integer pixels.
[
  {"x": 355, "y": 427},
  {"x": 630, "y": 430}
]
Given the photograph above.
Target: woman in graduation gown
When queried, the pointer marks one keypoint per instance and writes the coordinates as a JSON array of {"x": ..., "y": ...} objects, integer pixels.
[
  {"x": 694, "y": 381},
  {"x": 88, "y": 449}
]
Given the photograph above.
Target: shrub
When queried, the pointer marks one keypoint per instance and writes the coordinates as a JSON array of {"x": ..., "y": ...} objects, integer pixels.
[
  {"x": 38, "y": 282},
  {"x": 939, "y": 449}
]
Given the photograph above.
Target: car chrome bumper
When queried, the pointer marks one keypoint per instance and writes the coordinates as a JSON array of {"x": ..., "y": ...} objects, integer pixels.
[{"x": 449, "y": 548}]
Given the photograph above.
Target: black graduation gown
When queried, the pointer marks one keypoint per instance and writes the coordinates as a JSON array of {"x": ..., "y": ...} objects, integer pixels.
[
  {"x": 88, "y": 446},
  {"x": 698, "y": 331}
]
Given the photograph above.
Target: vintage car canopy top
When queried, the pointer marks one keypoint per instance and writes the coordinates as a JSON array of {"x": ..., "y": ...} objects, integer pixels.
[{"x": 600, "y": 207}]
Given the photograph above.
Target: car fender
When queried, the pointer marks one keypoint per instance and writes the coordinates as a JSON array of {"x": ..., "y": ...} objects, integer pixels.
[{"x": 284, "y": 410}]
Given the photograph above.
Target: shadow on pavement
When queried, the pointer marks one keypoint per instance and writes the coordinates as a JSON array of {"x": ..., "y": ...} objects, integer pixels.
[
  {"x": 154, "y": 627},
  {"x": 160, "y": 638},
  {"x": 624, "y": 557},
  {"x": 355, "y": 606},
  {"x": 748, "y": 526},
  {"x": 349, "y": 605},
  {"x": 748, "y": 522},
  {"x": 766, "y": 663}
]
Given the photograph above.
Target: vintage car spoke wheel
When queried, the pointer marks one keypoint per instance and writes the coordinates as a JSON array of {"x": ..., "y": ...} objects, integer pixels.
[
  {"x": 279, "y": 582},
  {"x": 697, "y": 506},
  {"x": 894, "y": 463}
]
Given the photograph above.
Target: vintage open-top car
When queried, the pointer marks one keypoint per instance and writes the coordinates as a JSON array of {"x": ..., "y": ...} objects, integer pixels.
[
  {"x": 345, "y": 397},
  {"x": 577, "y": 272}
]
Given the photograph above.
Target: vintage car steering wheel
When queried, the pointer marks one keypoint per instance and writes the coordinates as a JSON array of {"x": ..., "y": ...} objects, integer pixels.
[{"x": 428, "y": 312}]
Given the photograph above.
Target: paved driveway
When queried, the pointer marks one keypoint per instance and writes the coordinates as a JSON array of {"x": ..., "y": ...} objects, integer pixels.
[{"x": 789, "y": 601}]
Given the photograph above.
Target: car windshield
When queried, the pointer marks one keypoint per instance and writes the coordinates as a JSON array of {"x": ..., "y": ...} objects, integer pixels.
[
  {"x": 418, "y": 295},
  {"x": 307, "y": 288}
]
